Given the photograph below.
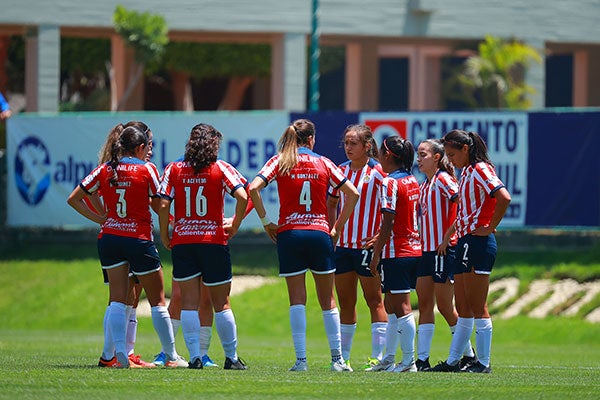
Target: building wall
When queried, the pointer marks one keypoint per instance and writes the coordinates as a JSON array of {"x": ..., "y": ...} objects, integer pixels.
[{"x": 566, "y": 21}]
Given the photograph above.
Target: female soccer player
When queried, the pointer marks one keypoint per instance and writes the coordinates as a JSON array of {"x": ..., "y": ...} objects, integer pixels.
[
  {"x": 304, "y": 237},
  {"x": 398, "y": 248},
  {"x": 353, "y": 254},
  {"x": 126, "y": 181},
  {"x": 107, "y": 359},
  {"x": 199, "y": 239},
  {"x": 483, "y": 201},
  {"x": 437, "y": 213}
]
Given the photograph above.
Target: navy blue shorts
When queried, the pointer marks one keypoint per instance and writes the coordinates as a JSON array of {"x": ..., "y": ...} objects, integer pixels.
[
  {"x": 141, "y": 255},
  {"x": 399, "y": 275},
  {"x": 440, "y": 268},
  {"x": 105, "y": 274},
  {"x": 211, "y": 261},
  {"x": 353, "y": 260},
  {"x": 302, "y": 250},
  {"x": 476, "y": 253}
]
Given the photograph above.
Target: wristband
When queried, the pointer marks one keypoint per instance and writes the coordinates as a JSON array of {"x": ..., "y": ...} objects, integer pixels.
[{"x": 265, "y": 220}]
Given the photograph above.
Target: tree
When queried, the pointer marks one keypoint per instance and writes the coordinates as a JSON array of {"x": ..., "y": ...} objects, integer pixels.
[
  {"x": 494, "y": 77},
  {"x": 241, "y": 64},
  {"x": 147, "y": 35}
]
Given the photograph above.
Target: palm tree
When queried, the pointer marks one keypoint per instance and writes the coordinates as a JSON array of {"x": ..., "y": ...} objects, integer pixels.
[{"x": 495, "y": 77}]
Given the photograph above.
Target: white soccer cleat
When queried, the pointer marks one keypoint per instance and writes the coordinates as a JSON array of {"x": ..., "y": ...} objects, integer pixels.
[
  {"x": 179, "y": 362},
  {"x": 401, "y": 367},
  {"x": 299, "y": 366},
  {"x": 383, "y": 365},
  {"x": 340, "y": 366}
]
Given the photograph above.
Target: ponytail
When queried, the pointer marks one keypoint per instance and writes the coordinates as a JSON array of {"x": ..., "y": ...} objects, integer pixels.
[
  {"x": 296, "y": 135},
  {"x": 478, "y": 151}
]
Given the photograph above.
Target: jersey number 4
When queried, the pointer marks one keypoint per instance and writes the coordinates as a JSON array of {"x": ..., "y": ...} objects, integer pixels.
[{"x": 305, "y": 199}]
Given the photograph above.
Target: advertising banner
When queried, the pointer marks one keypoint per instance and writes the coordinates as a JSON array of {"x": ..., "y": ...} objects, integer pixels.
[
  {"x": 47, "y": 156},
  {"x": 506, "y": 135}
]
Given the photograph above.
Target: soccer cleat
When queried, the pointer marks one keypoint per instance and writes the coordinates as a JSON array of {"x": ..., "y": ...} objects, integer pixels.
[
  {"x": 478, "y": 368},
  {"x": 402, "y": 367},
  {"x": 371, "y": 362},
  {"x": 443, "y": 366},
  {"x": 135, "y": 361},
  {"x": 195, "y": 364},
  {"x": 108, "y": 363},
  {"x": 422, "y": 364},
  {"x": 122, "y": 361},
  {"x": 340, "y": 366},
  {"x": 383, "y": 365},
  {"x": 300, "y": 365},
  {"x": 160, "y": 359},
  {"x": 207, "y": 362},
  {"x": 239, "y": 364},
  {"x": 179, "y": 362},
  {"x": 467, "y": 362}
]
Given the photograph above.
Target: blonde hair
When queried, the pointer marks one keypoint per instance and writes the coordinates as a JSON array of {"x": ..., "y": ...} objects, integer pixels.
[{"x": 295, "y": 136}]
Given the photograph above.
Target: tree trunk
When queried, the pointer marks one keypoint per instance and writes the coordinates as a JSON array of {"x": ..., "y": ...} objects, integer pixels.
[
  {"x": 234, "y": 95},
  {"x": 135, "y": 77},
  {"x": 182, "y": 91}
]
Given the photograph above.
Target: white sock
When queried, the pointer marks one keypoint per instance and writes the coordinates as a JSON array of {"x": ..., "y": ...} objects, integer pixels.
[
  {"x": 298, "y": 325},
  {"x": 175, "y": 324},
  {"x": 117, "y": 323},
  {"x": 391, "y": 338},
  {"x": 108, "y": 350},
  {"x": 378, "y": 339},
  {"x": 407, "y": 330},
  {"x": 190, "y": 326},
  {"x": 131, "y": 329},
  {"x": 227, "y": 331},
  {"x": 460, "y": 338},
  {"x": 468, "y": 348},
  {"x": 205, "y": 338},
  {"x": 483, "y": 339},
  {"x": 164, "y": 329},
  {"x": 331, "y": 319},
  {"x": 347, "y": 335},
  {"x": 424, "y": 338}
]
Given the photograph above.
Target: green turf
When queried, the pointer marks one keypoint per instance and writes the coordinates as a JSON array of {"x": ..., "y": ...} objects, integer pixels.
[{"x": 51, "y": 337}]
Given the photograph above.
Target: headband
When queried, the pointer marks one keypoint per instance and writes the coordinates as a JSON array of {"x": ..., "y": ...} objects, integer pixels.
[{"x": 388, "y": 149}]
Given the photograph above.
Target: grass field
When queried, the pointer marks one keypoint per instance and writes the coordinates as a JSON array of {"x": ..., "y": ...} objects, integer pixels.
[{"x": 50, "y": 340}]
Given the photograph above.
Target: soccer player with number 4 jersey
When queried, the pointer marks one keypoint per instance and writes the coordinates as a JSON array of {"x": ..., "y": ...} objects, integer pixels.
[
  {"x": 304, "y": 236},
  {"x": 483, "y": 201},
  {"x": 354, "y": 251}
]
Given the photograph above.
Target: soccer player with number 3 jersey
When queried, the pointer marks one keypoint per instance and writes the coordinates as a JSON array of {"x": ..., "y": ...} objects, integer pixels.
[
  {"x": 483, "y": 201},
  {"x": 354, "y": 251},
  {"x": 304, "y": 236},
  {"x": 126, "y": 182}
]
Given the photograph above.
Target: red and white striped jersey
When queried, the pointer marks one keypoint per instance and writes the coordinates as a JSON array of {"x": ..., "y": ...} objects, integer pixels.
[
  {"x": 476, "y": 205},
  {"x": 199, "y": 200},
  {"x": 400, "y": 195},
  {"x": 366, "y": 217},
  {"x": 437, "y": 211},
  {"x": 126, "y": 202},
  {"x": 303, "y": 191}
]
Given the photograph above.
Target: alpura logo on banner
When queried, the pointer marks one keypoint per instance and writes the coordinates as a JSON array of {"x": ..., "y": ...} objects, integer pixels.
[{"x": 34, "y": 171}]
